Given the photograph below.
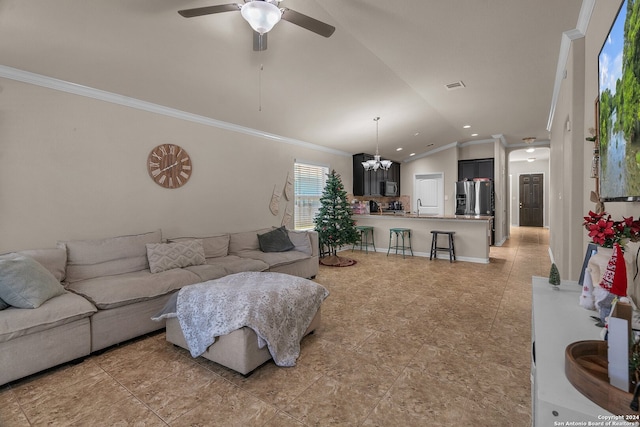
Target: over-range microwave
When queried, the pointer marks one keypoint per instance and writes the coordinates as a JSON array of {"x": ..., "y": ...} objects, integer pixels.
[{"x": 389, "y": 188}]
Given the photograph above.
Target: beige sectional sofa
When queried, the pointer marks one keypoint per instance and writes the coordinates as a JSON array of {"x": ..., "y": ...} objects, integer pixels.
[{"x": 111, "y": 293}]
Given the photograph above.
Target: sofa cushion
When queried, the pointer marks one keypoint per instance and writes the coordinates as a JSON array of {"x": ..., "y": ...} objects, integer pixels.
[
  {"x": 234, "y": 264},
  {"x": 54, "y": 260},
  {"x": 245, "y": 241},
  {"x": 122, "y": 289},
  {"x": 274, "y": 259},
  {"x": 216, "y": 268},
  {"x": 87, "y": 259},
  {"x": 167, "y": 256},
  {"x": 59, "y": 310},
  {"x": 214, "y": 246},
  {"x": 25, "y": 283},
  {"x": 301, "y": 241},
  {"x": 275, "y": 241},
  {"x": 207, "y": 271}
]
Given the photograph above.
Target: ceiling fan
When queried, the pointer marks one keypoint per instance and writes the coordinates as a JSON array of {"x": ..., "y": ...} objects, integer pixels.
[{"x": 263, "y": 15}]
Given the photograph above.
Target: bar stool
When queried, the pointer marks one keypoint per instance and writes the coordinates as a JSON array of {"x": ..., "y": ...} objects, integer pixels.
[
  {"x": 435, "y": 248},
  {"x": 365, "y": 231},
  {"x": 400, "y": 232}
]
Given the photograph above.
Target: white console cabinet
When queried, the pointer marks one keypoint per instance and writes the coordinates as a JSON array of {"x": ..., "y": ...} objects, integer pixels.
[{"x": 557, "y": 321}]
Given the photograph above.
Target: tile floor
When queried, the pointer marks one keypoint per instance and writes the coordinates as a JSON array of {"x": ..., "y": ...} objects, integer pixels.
[{"x": 404, "y": 342}]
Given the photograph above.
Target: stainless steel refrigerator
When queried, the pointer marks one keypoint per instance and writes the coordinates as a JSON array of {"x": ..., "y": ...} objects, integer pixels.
[{"x": 474, "y": 197}]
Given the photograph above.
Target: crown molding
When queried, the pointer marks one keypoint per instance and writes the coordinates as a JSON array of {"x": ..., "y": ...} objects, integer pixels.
[
  {"x": 114, "y": 98},
  {"x": 434, "y": 151},
  {"x": 565, "y": 46},
  {"x": 500, "y": 137},
  {"x": 476, "y": 142}
]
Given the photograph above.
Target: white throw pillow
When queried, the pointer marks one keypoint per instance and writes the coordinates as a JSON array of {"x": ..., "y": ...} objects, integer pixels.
[{"x": 167, "y": 256}]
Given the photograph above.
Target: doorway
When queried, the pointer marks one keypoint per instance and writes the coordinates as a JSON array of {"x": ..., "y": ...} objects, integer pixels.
[
  {"x": 531, "y": 200},
  {"x": 429, "y": 194}
]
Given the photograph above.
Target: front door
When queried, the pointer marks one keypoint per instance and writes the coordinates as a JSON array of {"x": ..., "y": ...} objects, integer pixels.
[{"x": 531, "y": 195}]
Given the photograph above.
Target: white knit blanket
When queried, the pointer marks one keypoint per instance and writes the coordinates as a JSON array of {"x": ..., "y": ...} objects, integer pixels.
[{"x": 278, "y": 307}]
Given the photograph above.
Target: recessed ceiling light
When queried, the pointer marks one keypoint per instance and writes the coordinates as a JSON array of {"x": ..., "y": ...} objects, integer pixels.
[
  {"x": 399, "y": 149},
  {"x": 466, "y": 126},
  {"x": 531, "y": 159},
  {"x": 416, "y": 134},
  {"x": 530, "y": 150},
  {"x": 412, "y": 154},
  {"x": 474, "y": 134}
]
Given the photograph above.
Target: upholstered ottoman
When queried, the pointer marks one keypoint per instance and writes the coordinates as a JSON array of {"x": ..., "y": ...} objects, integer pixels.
[
  {"x": 238, "y": 350},
  {"x": 242, "y": 320}
]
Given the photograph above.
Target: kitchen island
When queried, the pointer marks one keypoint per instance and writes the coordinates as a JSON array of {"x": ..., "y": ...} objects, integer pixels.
[{"x": 472, "y": 238}]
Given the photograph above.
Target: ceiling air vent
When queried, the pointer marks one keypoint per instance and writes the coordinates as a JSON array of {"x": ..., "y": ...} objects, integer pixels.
[{"x": 455, "y": 85}]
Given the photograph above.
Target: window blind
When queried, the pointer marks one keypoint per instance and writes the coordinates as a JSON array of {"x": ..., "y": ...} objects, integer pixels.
[{"x": 309, "y": 182}]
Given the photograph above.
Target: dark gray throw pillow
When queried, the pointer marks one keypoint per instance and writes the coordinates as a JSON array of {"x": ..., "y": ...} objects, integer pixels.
[{"x": 275, "y": 241}]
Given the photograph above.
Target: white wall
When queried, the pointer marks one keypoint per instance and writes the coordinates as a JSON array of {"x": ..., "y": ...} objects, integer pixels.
[
  {"x": 571, "y": 154},
  {"x": 501, "y": 225},
  {"x": 73, "y": 167},
  {"x": 603, "y": 15},
  {"x": 476, "y": 150},
  {"x": 445, "y": 162}
]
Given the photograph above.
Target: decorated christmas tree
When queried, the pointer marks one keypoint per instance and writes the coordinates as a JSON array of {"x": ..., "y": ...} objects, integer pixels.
[{"x": 333, "y": 222}]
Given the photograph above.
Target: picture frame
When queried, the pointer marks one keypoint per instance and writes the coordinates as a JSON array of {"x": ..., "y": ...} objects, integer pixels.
[{"x": 592, "y": 248}]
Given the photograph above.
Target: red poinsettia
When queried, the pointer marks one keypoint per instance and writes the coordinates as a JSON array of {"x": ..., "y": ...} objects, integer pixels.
[{"x": 605, "y": 232}]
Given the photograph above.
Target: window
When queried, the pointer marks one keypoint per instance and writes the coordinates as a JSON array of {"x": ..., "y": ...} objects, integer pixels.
[{"x": 309, "y": 184}]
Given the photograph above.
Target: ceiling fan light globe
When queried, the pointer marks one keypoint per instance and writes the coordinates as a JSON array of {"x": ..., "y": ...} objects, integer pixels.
[{"x": 261, "y": 15}]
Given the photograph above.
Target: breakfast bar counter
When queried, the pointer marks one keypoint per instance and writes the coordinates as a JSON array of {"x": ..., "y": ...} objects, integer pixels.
[{"x": 472, "y": 233}]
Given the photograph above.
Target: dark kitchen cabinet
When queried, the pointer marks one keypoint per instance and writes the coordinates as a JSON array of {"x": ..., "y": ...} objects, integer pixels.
[
  {"x": 394, "y": 174},
  {"x": 478, "y": 168},
  {"x": 361, "y": 178},
  {"x": 367, "y": 183}
]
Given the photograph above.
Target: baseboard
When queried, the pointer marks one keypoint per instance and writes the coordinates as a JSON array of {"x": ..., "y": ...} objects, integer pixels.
[{"x": 426, "y": 255}]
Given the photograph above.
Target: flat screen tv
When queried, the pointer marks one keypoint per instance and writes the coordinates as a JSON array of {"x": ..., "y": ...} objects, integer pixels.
[{"x": 619, "y": 107}]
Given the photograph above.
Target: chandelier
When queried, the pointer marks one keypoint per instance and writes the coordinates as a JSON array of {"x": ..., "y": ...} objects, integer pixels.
[
  {"x": 376, "y": 163},
  {"x": 261, "y": 15}
]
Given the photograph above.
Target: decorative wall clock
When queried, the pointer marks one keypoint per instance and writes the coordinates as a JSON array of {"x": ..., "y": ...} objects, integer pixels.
[{"x": 169, "y": 166}]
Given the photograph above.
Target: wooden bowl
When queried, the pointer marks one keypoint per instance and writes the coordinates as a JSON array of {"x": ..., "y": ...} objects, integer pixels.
[{"x": 586, "y": 369}]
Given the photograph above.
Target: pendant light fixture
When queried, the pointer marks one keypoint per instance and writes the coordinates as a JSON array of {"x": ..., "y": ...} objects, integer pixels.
[
  {"x": 376, "y": 163},
  {"x": 262, "y": 15}
]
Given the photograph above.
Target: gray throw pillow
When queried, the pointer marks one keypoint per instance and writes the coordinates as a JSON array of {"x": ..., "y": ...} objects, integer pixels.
[
  {"x": 25, "y": 283},
  {"x": 301, "y": 241},
  {"x": 275, "y": 241}
]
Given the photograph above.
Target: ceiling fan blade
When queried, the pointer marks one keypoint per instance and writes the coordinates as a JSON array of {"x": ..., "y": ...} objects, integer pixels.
[
  {"x": 208, "y": 10},
  {"x": 307, "y": 22},
  {"x": 259, "y": 41}
]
